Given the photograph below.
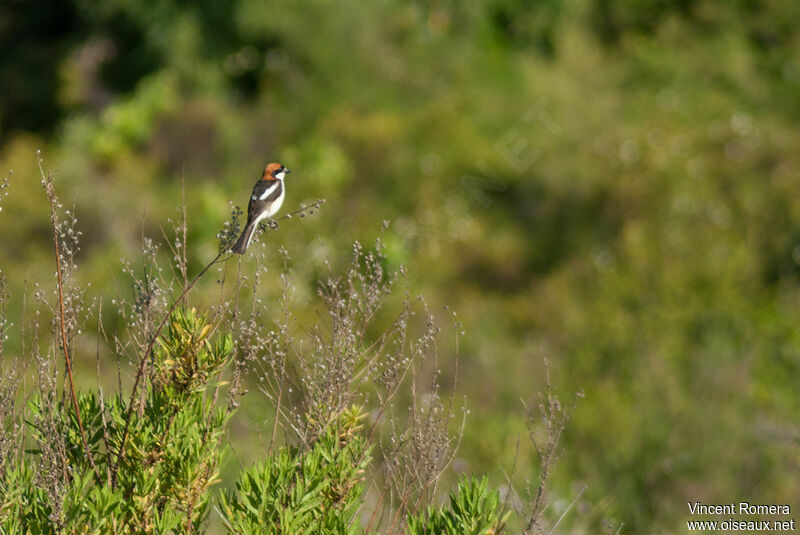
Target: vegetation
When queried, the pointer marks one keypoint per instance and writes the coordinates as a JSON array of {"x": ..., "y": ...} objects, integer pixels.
[
  {"x": 147, "y": 462},
  {"x": 159, "y": 483},
  {"x": 605, "y": 184}
]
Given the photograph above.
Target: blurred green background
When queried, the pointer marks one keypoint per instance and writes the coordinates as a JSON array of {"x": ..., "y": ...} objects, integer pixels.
[{"x": 610, "y": 185}]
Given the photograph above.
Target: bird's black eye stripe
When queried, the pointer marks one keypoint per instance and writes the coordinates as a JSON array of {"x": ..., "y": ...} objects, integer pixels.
[{"x": 277, "y": 171}]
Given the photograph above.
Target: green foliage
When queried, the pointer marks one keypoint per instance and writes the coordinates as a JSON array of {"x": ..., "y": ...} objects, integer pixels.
[
  {"x": 473, "y": 510},
  {"x": 23, "y": 504},
  {"x": 318, "y": 490},
  {"x": 160, "y": 482}
]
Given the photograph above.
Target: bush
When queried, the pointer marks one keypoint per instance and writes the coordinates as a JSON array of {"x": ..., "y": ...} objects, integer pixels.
[
  {"x": 75, "y": 461},
  {"x": 473, "y": 509},
  {"x": 153, "y": 459},
  {"x": 296, "y": 491}
]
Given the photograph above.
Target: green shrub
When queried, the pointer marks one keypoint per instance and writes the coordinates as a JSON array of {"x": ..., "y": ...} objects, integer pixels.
[
  {"x": 474, "y": 510},
  {"x": 160, "y": 481},
  {"x": 296, "y": 491},
  {"x": 146, "y": 462}
]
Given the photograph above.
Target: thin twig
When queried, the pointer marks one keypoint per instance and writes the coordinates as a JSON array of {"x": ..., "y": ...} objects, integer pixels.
[
  {"x": 287, "y": 317},
  {"x": 100, "y": 391},
  {"x": 146, "y": 355},
  {"x": 140, "y": 372},
  {"x": 184, "y": 266},
  {"x": 47, "y": 181},
  {"x": 509, "y": 482},
  {"x": 567, "y": 510}
]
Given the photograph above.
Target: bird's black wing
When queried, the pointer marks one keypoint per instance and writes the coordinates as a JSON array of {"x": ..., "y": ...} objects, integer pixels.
[{"x": 265, "y": 192}]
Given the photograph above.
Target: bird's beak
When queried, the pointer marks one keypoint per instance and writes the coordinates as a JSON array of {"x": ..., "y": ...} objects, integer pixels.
[{"x": 287, "y": 171}]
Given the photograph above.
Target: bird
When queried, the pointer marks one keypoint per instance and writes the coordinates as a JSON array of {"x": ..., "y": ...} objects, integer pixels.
[{"x": 266, "y": 200}]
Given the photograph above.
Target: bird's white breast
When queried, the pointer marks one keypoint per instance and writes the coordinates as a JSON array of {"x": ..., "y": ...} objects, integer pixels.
[
  {"x": 273, "y": 208},
  {"x": 268, "y": 191},
  {"x": 276, "y": 205}
]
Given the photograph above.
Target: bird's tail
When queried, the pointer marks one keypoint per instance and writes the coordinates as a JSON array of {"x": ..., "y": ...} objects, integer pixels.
[{"x": 244, "y": 240}]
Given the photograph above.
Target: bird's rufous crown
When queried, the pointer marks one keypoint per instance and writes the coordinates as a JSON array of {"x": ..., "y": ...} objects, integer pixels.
[{"x": 269, "y": 171}]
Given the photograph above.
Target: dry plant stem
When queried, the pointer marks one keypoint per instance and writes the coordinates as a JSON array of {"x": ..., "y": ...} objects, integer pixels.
[
  {"x": 156, "y": 334},
  {"x": 569, "y": 507},
  {"x": 183, "y": 227},
  {"x": 429, "y": 481},
  {"x": 146, "y": 312},
  {"x": 401, "y": 508},
  {"x": 172, "y": 250},
  {"x": 179, "y": 256},
  {"x": 433, "y": 481},
  {"x": 509, "y": 481},
  {"x": 111, "y": 468},
  {"x": 25, "y": 394},
  {"x": 287, "y": 316},
  {"x": 303, "y": 209},
  {"x": 555, "y": 418},
  {"x": 48, "y": 184},
  {"x": 233, "y": 392},
  {"x": 407, "y": 492},
  {"x": 100, "y": 392},
  {"x": 278, "y": 405},
  {"x": 375, "y": 511},
  {"x": 146, "y": 356}
]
